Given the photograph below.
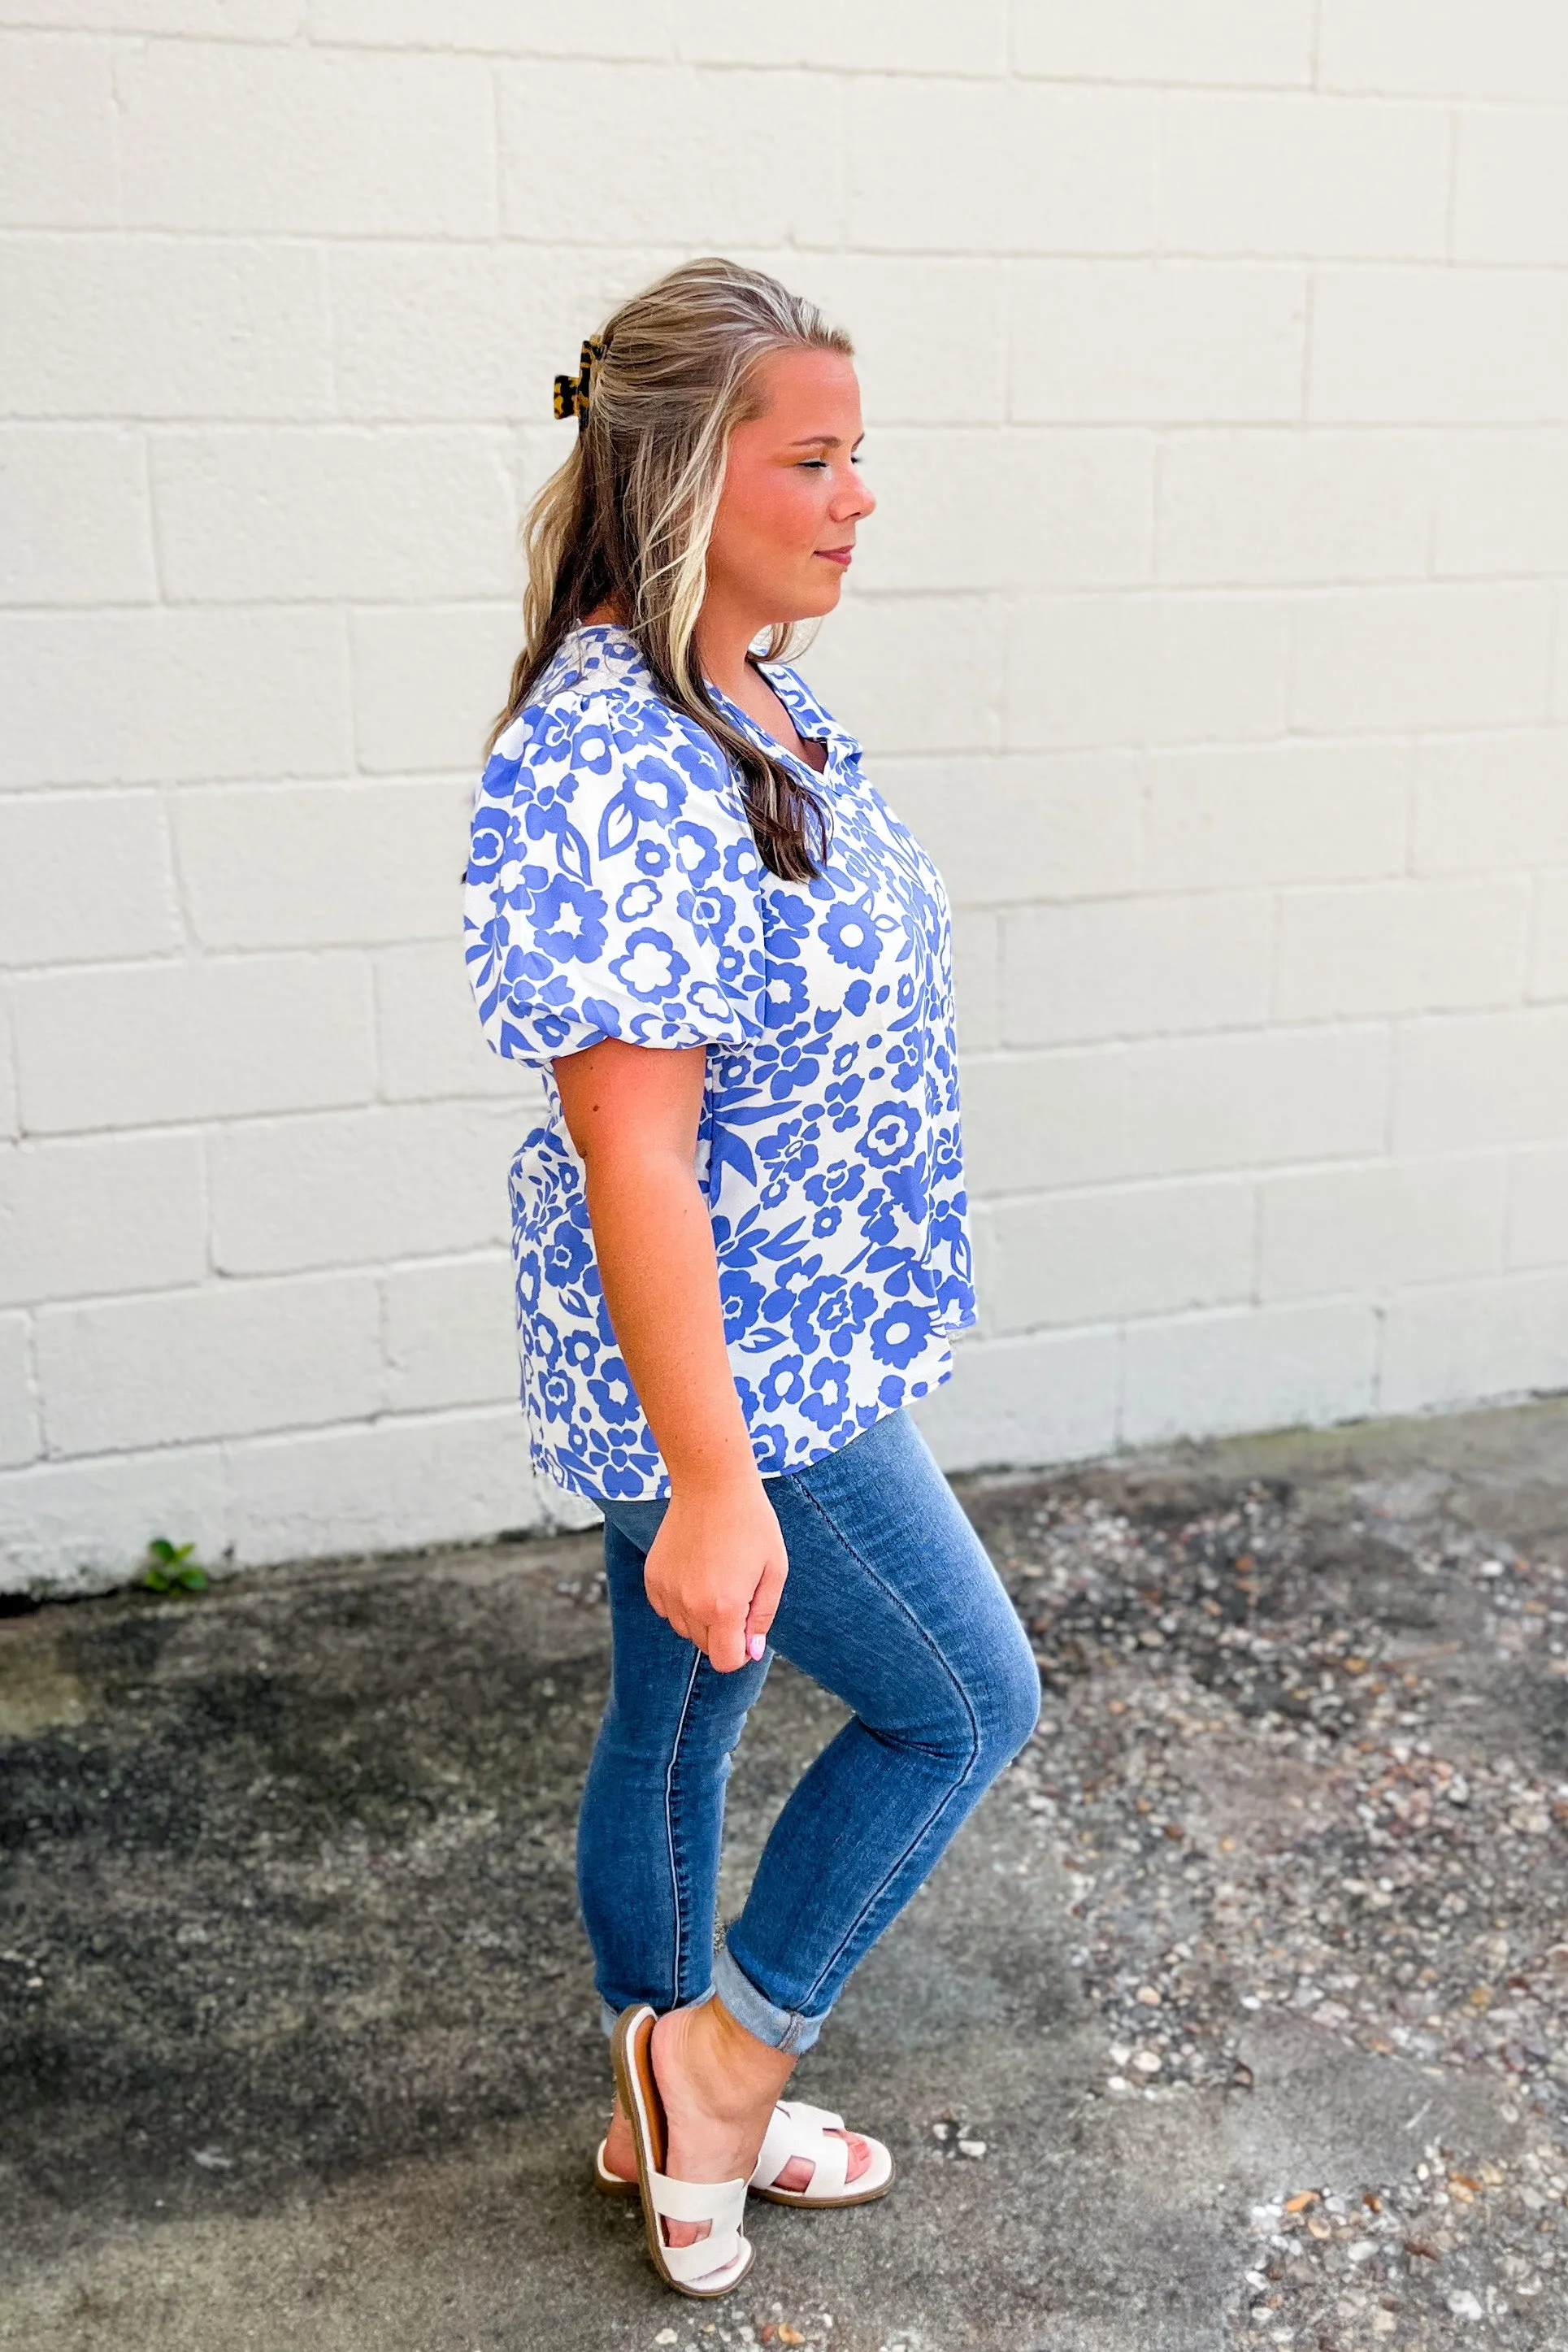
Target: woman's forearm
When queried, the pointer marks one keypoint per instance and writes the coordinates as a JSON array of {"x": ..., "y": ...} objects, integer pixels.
[
  {"x": 716, "y": 1567},
  {"x": 654, "y": 1242}
]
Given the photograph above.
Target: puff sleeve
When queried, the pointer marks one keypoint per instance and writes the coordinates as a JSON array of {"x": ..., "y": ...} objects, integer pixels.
[{"x": 613, "y": 886}]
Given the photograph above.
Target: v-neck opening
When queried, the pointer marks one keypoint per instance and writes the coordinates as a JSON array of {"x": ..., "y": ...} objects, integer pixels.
[
  {"x": 771, "y": 741},
  {"x": 832, "y": 739}
]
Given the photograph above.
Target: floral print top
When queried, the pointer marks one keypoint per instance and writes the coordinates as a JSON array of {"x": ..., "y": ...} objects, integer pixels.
[{"x": 613, "y": 890}]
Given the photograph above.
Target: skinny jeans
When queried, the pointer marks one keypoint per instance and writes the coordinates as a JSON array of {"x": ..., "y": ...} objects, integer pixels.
[{"x": 891, "y": 1604}]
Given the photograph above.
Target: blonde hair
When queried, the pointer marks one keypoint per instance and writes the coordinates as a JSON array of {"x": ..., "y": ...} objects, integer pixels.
[{"x": 627, "y": 518}]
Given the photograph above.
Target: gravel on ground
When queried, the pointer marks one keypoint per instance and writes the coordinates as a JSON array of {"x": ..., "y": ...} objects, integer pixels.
[
  {"x": 1261, "y": 1767},
  {"x": 1237, "y": 2017}
]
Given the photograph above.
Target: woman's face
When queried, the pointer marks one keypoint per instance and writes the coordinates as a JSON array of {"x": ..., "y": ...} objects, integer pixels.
[{"x": 792, "y": 495}]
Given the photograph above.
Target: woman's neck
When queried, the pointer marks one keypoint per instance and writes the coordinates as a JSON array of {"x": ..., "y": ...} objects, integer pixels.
[
  {"x": 725, "y": 634},
  {"x": 724, "y": 641}
]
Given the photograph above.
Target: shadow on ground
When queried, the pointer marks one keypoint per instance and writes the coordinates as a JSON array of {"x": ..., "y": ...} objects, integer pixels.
[{"x": 1249, "y": 1982}]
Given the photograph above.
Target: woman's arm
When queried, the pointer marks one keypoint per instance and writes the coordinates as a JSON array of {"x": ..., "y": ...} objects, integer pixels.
[{"x": 716, "y": 1568}]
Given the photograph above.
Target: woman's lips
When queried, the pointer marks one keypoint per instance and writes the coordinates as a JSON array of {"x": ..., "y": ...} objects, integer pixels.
[{"x": 843, "y": 556}]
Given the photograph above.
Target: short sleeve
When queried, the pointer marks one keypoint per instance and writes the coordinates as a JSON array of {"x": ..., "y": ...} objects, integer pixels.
[{"x": 612, "y": 887}]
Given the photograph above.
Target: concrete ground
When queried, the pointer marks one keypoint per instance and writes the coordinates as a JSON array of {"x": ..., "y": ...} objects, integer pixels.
[{"x": 1248, "y": 1982}]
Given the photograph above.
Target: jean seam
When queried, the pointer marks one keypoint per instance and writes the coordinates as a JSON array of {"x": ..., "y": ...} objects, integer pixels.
[
  {"x": 975, "y": 1747},
  {"x": 677, "y": 1876}
]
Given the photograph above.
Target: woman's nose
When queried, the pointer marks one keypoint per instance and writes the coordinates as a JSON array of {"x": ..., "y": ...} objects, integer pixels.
[{"x": 854, "y": 502}]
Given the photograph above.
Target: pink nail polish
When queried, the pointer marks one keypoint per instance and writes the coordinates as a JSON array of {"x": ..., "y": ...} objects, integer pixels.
[{"x": 756, "y": 1646}]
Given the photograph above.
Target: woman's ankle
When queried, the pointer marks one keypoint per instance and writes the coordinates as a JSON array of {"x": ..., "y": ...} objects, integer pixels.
[{"x": 725, "y": 2068}]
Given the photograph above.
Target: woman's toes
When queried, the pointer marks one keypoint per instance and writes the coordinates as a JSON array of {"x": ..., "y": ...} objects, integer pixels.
[
  {"x": 797, "y": 2173},
  {"x": 619, "y": 2149}
]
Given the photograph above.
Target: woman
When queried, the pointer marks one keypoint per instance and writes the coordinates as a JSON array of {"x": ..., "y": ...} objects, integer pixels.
[{"x": 739, "y": 1233}]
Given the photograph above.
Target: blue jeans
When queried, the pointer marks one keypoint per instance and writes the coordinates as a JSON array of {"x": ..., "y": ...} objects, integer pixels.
[{"x": 891, "y": 1603}]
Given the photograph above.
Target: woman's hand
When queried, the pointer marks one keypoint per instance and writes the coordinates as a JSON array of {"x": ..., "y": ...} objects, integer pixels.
[{"x": 716, "y": 1568}]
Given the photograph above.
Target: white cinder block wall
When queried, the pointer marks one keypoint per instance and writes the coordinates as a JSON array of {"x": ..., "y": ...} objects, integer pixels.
[{"x": 1213, "y": 629}]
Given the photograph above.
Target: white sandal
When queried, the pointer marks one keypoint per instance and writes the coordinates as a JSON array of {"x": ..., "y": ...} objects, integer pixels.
[
  {"x": 794, "y": 2129},
  {"x": 710, "y": 2266}
]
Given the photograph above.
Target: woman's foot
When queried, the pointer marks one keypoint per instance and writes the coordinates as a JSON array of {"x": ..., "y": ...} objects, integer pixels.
[{"x": 719, "y": 2085}]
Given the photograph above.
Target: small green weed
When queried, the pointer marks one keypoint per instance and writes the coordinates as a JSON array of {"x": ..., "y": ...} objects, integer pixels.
[{"x": 171, "y": 1569}]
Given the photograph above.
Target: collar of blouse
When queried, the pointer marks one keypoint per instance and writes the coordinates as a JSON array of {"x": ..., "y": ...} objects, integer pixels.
[{"x": 615, "y": 654}]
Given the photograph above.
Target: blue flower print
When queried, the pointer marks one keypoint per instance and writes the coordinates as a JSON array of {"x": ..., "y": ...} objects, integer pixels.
[
  {"x": 637, "y": 901},
  {"x": 711, "y": 1005},
  {"x": 568, "y": 1253},
  {"x": 652, "y": 790},
  {"x": 786, "y": 996},
  {"x": 850, "y": 933},
  {"x": 904, "y": 1065},
  {"x": 613, "y": 1391},
  {"x": 789, "y": 1152},
  {"x": 528, "y": 1273},
  {"x": 492, "y": 838},
  {"x": 789, "y": 914},
  {"x": 740, "y": 1295},
  {"x": 594, "y": 749},
  {"x": 829, "y": 1394},
  {"x": 602, "y": 1018},
  {"x": 697, "y": 851},
  {"x": 569, "y": 921},
  {"x": 619, "y": 1477},
  {"x": 901, "y": 1335},
  {"x": 906, "y": 1187},
  {"x": 712, "y": 911},
  {"x": 651, "y": 966},
  {"x": 547, "y": 738},
  {"x": 842, "y": 1100},
  {"x": 840, "y": 1181},
  {"x": 783, "y": 1383},
  {"x": 546, "y": 805},
  {"x": 890, "y": 1132},
  {"x": 553, "y": 1029},
  {"x": 614, "y": 890},
  {"x": 947, "y": 1163},
  {"x": 833, "y": 1309}
]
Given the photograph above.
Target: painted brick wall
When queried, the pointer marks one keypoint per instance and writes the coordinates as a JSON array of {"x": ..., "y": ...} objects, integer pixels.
[{"x": 1212, "y": 630}]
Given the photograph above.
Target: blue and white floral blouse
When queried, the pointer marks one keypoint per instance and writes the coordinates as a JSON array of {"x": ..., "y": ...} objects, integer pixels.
[{"x": 614, "y": 890}]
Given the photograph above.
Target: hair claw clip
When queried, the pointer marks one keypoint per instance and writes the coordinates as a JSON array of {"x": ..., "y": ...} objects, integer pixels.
[{"x": 572, "y": 392}]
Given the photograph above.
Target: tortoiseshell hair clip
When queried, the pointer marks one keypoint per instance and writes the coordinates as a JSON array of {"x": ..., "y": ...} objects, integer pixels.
[{"x": 571, "y": 392}]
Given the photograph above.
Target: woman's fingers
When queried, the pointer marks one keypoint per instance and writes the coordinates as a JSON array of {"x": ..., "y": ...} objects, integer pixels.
[
  {"x": 764, "y": 1599},
  {"x": 725, "y": 1644},
  {"x": 727, "y": 1622}
]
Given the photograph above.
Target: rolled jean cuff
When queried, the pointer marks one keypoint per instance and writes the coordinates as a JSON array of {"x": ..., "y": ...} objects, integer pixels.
[
  {"x": 608, "y": 2012},
  {"x": 781, "y": 2029}
]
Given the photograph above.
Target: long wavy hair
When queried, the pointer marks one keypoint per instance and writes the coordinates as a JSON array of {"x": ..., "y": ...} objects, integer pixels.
[{"x": 627, "y": 518}]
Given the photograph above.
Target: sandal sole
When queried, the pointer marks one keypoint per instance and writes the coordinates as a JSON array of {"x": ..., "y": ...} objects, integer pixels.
[{"x": 631, "y": 2056}]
